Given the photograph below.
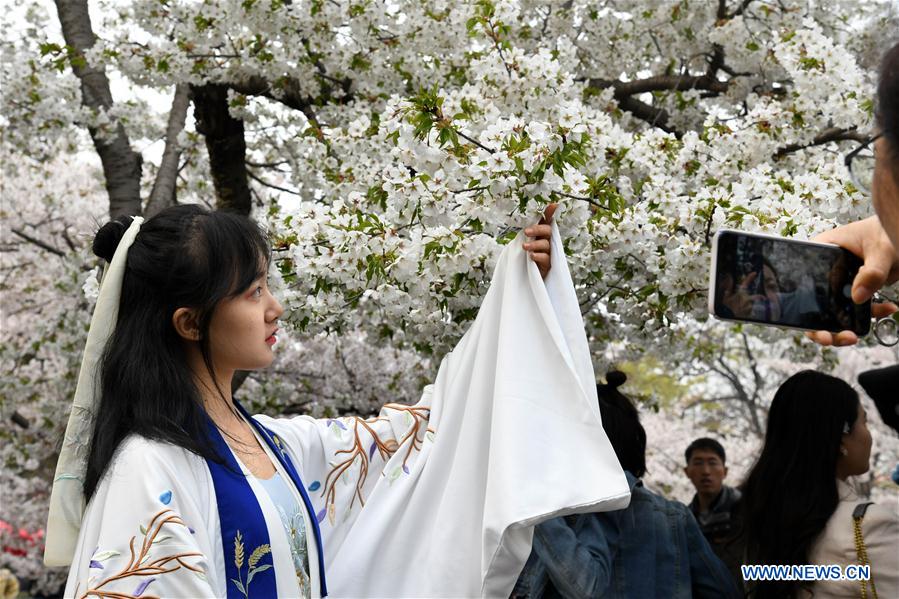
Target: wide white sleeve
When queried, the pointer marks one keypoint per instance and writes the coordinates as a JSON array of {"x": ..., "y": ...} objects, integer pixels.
[
  {"x": 147, "y": 530},
  {"x": 342, "y": 459}
]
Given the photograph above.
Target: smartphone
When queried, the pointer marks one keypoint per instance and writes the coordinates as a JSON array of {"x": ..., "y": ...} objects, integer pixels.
[{"x": 784, "y": 282}]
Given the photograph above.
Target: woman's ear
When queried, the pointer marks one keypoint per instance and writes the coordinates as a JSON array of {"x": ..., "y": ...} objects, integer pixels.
[{"x": 185, "y": 322}]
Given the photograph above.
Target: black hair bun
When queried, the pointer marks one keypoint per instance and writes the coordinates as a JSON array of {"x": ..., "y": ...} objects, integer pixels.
[
  {"x": 615, "y": 378},
  {"x": 108, "y": 237}
]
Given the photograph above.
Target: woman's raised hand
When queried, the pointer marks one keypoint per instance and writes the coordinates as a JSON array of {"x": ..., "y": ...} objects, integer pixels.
[{"x": 538, "y": 244}]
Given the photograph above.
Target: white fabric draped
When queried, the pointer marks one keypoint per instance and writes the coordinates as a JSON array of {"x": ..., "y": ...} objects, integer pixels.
[{"x": 516, "y": 439}]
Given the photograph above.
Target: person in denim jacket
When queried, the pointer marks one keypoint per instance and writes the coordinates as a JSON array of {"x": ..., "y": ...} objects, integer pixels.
[{"x": 654, "y": 548}]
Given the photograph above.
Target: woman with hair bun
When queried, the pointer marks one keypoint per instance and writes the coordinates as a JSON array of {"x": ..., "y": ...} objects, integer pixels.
[
  {"x": 654, "y": 548},
  {"x": 166, "y": 487}
]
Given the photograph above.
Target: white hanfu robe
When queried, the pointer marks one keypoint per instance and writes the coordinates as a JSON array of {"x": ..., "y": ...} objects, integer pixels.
[{"x": 438, "y": 499}]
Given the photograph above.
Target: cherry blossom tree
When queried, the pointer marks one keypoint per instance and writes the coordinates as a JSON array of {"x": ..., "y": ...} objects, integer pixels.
[
  {"x": 397, "y": 146},
  {"x": 48, "y": 209},
  {"x": 393, "y": 148}
]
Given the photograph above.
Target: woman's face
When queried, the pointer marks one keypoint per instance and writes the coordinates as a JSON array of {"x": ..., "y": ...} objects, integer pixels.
[
  {"x": 242, "y": 330},
  {"x": 855, "y": 447},
  {"x": 885, "y": 190}
]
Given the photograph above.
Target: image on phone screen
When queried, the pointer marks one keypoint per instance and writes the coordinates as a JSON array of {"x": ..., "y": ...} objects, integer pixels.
[{"x": 787, "y": 283}]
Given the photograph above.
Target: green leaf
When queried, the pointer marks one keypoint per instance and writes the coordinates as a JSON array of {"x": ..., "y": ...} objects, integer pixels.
[
  {"x": 49, "y": 48},
  {"x": 239, "y": 586},
  {"x": 359, "y": 62},
  {"x": 202, "y": 23},
  {"x": 255, "y": 571}
]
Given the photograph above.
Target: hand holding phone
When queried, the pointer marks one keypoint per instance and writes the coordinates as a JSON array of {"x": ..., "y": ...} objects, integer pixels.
[{"x": 868, "y": 240}]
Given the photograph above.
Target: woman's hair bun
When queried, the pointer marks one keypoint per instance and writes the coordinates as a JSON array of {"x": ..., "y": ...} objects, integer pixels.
[
  {"x": 108, "y": 237},
  {"x": 615, "y": 378}
]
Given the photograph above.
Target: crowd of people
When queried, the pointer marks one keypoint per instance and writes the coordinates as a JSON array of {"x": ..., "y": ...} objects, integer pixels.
[
  {"x": 794, "y": 508},
  {"x": 162, "y": 463}
]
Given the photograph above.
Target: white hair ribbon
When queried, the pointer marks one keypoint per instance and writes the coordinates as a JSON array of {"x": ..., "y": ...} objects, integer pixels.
[{"x": 67, "y": 496}]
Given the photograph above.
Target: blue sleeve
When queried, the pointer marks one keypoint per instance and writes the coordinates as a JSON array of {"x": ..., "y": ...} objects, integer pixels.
[
  {"x": 708, "y": 574},
  {"x": 579, "y": 562}
]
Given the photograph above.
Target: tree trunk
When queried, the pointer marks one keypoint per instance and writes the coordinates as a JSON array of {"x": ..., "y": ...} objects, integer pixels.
[
  {"x": 163, "y": 192},
  {"x": 121, "y": 165},
  {"x": 226, "y": 146}
]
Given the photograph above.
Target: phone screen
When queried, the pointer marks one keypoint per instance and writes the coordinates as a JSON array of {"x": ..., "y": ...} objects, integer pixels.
[{"x": 787, "y": 283}]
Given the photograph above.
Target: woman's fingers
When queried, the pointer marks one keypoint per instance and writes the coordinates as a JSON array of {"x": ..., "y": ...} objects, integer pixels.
[
  {"x": 542, "y": 231},
  {"x": 842, "y": 338},
  {"x": 836, "y": 339},
  {"x": 884, "y": 309},
  {"x": 540, "y": 245},
  {"x": 542, "y": 262},
  {"x": 867, "y": 239},
  {"x": 748, "y": 279}
]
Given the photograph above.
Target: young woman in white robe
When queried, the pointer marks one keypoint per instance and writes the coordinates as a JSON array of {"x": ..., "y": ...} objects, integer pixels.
[{"x": 167, "y": 487}]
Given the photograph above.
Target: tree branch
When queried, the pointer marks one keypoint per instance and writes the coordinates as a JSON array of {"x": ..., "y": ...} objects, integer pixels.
[
  {"x": 261, "y": 181},
  {"x": 740, "y": 9},
  {"x": 41, "y": 244},
  {"x": 624, "y": 91},
  {"x": 20, "y": 420},
  {"x": 825, "y": 137},
  {"x": 290, "y": 94},
  {"x": 706, "y": 82},
  {"x": 657, "y": 117},
  {"x": 121, "y": 164},
  {"x": 590, "y": 201},
  {"x": 226, "y": 146},
  {"x": 474, "y": 141},
  {"x": 163, "y": 193},
  {"x": 721, "y": 13}
]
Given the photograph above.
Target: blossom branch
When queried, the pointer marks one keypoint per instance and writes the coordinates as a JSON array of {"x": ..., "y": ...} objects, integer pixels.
[
  {"x": 473, "y": 141},
  {"x": 590, "y": 201},
  {"x": 827, "y": 136},
  {"x": 261, "y": 181},
  {"x": 41, "y": 244}
]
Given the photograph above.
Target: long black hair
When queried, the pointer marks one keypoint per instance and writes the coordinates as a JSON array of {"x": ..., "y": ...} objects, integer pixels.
[
  {"x": 185, "y": 256},
  {"x": 621, "y": 422},
  {"x": 791, "y": 492}
]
